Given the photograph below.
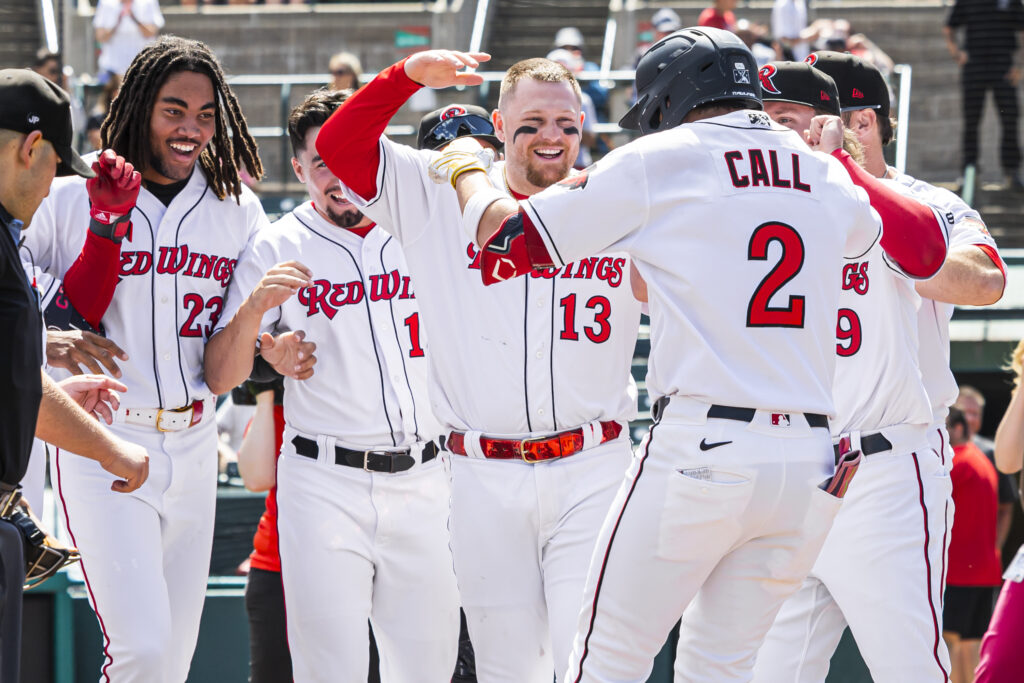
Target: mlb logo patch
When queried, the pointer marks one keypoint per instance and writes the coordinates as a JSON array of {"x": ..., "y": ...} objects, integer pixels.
[
  {"x": 780, "y": 420},
  {"x": 740, "y": 73}
]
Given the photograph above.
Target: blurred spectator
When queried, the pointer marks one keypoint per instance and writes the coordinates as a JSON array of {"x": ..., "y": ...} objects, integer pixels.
[
  {"x": 719, "y": 15},
  {"x": 987, "y": 58},
  {"x": 789, "y": 19},
  {"x": 99, "y": 112},
  {"x": 345, "y": 71},
  {"x": 574, "y": 63},
  {"x": 123, "y": 28},
  {"x": 570, "y": 38},
  {"x": 665, "y": 21},
  {"x": 50, "y": 65},
  {"x": 974, "y": 562},
  {"x": 755, "y": 36},
  {"x": 1002, "y": 657},
  {"x": 972, "y": 403}
]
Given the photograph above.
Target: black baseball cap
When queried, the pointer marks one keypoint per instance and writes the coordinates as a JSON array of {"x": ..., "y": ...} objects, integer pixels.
[
  {"x": 451, "y": 121},
  {"x": 799, "y": 83},
  {"x": 30, "y": 102},
  {"x": 861, "y": 85}
]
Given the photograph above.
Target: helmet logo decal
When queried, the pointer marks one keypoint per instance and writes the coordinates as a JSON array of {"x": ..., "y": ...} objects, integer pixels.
[
  {"x": 766, "y": 74},
  {"x": 811, "y": 59},
  {"x": 740, "y": 73},
  {"x": 453, "y": 111}
]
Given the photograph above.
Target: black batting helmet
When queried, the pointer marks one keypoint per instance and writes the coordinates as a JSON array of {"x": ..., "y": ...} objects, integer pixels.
[{"x": 686, "y": 69}]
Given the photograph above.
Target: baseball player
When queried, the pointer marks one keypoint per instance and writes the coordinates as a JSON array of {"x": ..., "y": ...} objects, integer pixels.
[
  {"x": 361, "y": 493},
  {"x": 881, "y": 569},
  {"x": 745, "y": 373},
  {"x": 146, "y": 577},
  {"x": 530, "y": 380}
]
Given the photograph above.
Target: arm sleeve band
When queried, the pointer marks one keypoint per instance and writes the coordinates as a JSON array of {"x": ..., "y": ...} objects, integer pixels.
[
  {"x": 90, "y": 281},
  {"x": 348, "y": 140},
  {"x": 913, "y": 237}
]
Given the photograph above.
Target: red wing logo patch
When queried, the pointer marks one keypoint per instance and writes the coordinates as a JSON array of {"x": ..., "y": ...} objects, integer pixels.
[
  {"x": 811, "y": 59},
  {"x": 857, "y": 94},
  {"x": 453, "y": 111},
  {"x": 766, "y": 74},
  {"x": 576, "y": 182}
]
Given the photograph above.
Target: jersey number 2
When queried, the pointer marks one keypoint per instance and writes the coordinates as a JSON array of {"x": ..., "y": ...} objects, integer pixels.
[{"x": 759, "y": 311}]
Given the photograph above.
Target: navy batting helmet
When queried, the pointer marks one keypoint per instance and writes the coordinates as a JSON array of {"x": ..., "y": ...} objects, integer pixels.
[{"x": 686, "y": 69}]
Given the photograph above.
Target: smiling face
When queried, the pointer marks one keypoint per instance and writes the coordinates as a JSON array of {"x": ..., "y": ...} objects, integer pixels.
[
  {"x": 324, "y": 188},
  {"x": 793, "y": 116},
  {"x": 540, "y": 123},
  {"x": 181, "y": 125}
]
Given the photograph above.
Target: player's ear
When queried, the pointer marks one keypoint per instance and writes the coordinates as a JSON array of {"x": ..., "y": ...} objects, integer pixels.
[
  {"x": 499, "y": 125},
  {"x": 297, "y": 167},
  {"x": 30, "y": 147}
]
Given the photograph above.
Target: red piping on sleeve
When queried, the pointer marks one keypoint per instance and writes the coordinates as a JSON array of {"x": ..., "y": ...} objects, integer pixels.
[
  {"x": 348, "y": 140},
  {"x": 996, "y": 259},
  {"x": 90, "y": 281},
  {"x": 912, "y": 236}
]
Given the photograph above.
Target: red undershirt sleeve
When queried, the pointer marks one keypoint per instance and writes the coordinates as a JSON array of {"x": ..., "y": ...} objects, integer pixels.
[
  {"x": 348, "y": 141},
  {"x": 913, "y": 237},
  {"x": 90, "y": 281}
]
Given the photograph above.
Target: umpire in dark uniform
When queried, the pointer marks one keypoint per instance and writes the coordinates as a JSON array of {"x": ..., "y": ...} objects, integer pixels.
[
  {"x": 28, "y": 104},
  {"x": 989, "y": 48}
]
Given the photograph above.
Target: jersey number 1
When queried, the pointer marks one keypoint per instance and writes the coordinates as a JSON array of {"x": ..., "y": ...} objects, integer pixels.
[{"x": 759, "y": 311}]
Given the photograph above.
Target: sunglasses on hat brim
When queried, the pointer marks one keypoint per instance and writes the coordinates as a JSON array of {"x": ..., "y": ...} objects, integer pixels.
[{"x": 456, "y": 127}]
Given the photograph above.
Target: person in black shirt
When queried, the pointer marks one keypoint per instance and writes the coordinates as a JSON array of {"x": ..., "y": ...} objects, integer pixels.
[
  {"x": 987, "y": 58},
  {"x": 35, "y": 146}
]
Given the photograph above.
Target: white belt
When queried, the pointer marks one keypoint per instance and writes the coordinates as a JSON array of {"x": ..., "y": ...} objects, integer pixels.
[{"x": 166, "y": 419}]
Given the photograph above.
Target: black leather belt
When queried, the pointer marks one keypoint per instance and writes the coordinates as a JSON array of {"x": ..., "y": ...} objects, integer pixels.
[
  {"x": 870, "y": 444},
  {"x": 738, "y": 414},
  {"x": 391, "y": 462}
]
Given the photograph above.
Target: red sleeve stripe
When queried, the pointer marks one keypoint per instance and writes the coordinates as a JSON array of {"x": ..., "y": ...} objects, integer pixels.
[{"x": 996, "y": 259}]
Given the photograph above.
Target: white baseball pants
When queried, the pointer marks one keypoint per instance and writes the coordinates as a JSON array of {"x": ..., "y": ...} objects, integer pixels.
[
  {"x": 881, "y": 571},
  {"x": 146, "y": 554},
  {"x": 725, "y": 533},
  {"x": 359, "y": 545},
  {"x": 522, "y": 536}
]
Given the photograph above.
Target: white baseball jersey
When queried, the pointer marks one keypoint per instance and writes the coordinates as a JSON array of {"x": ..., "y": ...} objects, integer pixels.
[
  {"x": 878, "y": 380},
  {"x": 934, "y": 316},
  {"x": 743, "y": 302},
  {"x": 369, "y": 387},
  {"x": 174, "y": 271},
  {"x": 556, "y": 345}
]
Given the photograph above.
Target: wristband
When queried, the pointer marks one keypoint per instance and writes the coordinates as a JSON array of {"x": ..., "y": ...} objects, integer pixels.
[
  {"x": 475, "y": 208},
  {"x": 115, "y": 228}
]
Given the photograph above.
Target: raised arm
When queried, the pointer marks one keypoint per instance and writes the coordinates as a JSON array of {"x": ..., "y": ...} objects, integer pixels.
[{"x": 348, "y": 140}]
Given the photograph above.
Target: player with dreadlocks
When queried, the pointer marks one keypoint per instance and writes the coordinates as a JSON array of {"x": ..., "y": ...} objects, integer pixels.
[{"x": 179, "y": 124}]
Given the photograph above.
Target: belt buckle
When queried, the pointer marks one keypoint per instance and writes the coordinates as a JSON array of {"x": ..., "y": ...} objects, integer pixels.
[
  {"x": 160, "y": 416},
  {"x": 522, "y": 448},
  {"x": 366, "y": 459}
]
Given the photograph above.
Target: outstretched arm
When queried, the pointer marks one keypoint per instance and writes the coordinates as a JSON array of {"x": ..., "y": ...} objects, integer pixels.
[{"x": 348, "y": 140}]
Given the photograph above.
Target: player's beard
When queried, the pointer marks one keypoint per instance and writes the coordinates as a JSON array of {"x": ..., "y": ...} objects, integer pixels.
[
  {"x": 167, "y": 171},
  {"x": 548, "y": 174},
  {"x": 345, "y": 219}
]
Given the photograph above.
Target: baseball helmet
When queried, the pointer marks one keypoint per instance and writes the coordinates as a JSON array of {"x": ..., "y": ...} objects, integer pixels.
[
  {"x": 686, "y": 69},
  {"x": 451, "y": 121}
]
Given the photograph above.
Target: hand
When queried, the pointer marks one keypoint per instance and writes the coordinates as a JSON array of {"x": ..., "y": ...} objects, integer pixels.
[
  {"x": 825, "y": 134},
  {"x": 450, "y": 164},
  {"x": 443, "y": 68},
  {"x": 114, "y": 190},
  {"x": 72, "y": 348},
  {"x": 97, "y": 394},
  {"x": 1013, "y": 76},
  {"x": 130, "y": 462},
  {"x": 279, "y": 284},
  {"x": 289, "y": 354},
  {"x": 960, "y": 57}
]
